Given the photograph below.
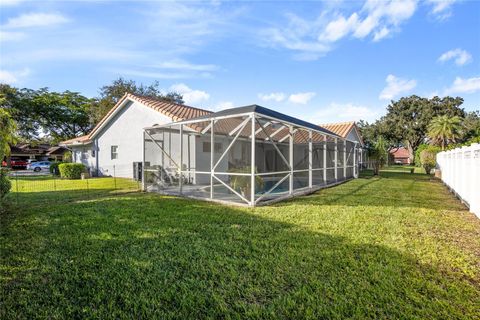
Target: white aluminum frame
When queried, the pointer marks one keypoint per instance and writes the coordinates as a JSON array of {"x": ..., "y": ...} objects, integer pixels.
[{"x": 253, "y": 118}]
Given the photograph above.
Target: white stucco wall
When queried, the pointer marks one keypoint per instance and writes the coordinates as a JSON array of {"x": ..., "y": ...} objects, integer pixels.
[
  {"x": 352, "y": 135},
  {"x": 125, "y": 130},
  {"x": 83, "y": 154}
]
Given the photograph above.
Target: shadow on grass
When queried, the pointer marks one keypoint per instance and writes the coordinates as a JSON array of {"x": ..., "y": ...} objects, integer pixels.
[
  {"x": 146, "y": 256},
  {"x": 389, "y": 189},
  {"x": 46, "y": 198}
]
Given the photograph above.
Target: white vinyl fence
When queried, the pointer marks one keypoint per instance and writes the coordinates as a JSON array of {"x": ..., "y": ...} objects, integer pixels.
[{"x": 461, "y": 173}]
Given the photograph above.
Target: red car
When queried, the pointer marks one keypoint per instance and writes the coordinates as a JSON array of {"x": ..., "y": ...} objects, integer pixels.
[{"x": 16, "y": 164}]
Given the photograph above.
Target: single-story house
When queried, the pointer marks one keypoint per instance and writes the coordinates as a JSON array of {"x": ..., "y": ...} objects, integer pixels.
[
  {"x": 116, "y": 145},
  {"x": 400, "y": 155},
  {"x": 40, "y": 152}
]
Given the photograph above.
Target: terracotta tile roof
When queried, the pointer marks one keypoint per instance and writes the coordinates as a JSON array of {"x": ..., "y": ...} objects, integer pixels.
[
  {"x": 179, "y": 112},
  {"x": 56, "y": 150},
  {"x": 76, "y": 140},
  {"x": 342, "y": 128},
  {"x": 176, "y": 112}
]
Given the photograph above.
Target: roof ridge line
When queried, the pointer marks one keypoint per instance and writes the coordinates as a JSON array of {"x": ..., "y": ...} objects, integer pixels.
[{"x": 135, "y": 96}]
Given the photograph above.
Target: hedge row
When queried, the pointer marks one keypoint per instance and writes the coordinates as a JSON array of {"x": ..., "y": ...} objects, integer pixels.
[
  {"x": 71, "y": 170},
  {"x": 54, "y": 167}
]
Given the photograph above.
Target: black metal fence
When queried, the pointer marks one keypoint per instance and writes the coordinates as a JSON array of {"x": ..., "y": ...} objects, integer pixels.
[{"x": 31, "y": 188}]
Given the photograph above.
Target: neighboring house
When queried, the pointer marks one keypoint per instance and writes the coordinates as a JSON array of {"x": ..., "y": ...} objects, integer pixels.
[
  {"x": 347, "y": 130},
  {"x": 400, "y": 155},
  {"x": 41, "y": 152},
  {"x": 116, "y": 142}
]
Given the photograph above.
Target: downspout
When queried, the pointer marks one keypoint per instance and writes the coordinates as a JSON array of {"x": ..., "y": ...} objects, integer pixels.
[{"x": 95, "y": 145}]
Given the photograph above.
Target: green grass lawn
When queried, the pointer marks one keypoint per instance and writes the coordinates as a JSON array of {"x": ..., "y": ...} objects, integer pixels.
[{"x": 395, "y": 246}]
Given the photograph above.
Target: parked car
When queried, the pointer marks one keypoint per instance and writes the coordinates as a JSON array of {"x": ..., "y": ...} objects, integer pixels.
[
  {"x": 39, "y": 166},
  {"x": 16, "y": 164}
]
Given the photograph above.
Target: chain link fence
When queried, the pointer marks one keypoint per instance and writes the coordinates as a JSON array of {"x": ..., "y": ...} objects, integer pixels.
[{"x": 30, "y": 188}]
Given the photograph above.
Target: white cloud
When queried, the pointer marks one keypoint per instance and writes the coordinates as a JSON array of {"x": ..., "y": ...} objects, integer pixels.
[
  {"x": 185, "y": 65},
  {"x": 11, "y": 77},
  {"x": 461, "y": 85},
  {"x": 338, "y": 28},
  {"x": 311, "y": 40},
  {"x": 341, "y": 112},
  {"x": 301, "y": 97},
  {"x": 396, "y": 86},
  {"x": 222, "y": 105},
  {"x": 11, "y": 36},
  {"x": 28, "y": 20},
  {"x": 353, "y": 112},
  {"x": 441, "y": 9},
  {"x": 382, "y": 16},
  {"x": 274, "y": 96},
  {"x": 460, "y": 56},
  {"x": 190, "y": 96},
  {"x": 151, "y": 74},
  {"x": 381, "y": 34},
  {"x": 10, "y": 2},
  {"x": 186, "y": 26}
]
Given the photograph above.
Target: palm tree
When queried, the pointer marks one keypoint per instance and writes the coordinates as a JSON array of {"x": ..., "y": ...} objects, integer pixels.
[
  {"x": 378, "y": 153},
  {"x": 444, "y": 129}
]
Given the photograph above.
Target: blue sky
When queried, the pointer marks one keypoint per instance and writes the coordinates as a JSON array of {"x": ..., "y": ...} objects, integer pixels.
[{"x": 323, "y": 62}]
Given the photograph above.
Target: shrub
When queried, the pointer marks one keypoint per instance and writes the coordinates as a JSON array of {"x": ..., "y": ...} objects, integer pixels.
[
  {"x": 420, "y": 148},
  {"x": 5, "y": 183},
  {"x": 71, "y": 170},
  {"x": 67, "y": 156},
  {"x": 54, "y": 168},
  {"x": 428, "y": 158}
]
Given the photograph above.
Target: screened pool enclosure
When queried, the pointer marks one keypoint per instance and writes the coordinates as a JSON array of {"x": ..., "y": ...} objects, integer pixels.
[{"x": 248, "y": 155}]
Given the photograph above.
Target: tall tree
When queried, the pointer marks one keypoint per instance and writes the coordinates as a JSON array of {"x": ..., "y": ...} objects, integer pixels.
[
  {"x": 378, "y": 154},
  {"x": 112, "y": 93},
  {"x": 445, "y": 129},
  {"x": 41, "y": 114},
  {"x": 7, "y": 132},
  {"x": 64, "y": 115},
  {"x": 19, "y": 103},
  {"x": 471, "y": 125},
  {"x": 407, "y": 119}
]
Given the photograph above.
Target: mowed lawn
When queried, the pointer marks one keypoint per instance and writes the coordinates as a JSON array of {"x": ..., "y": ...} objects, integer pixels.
[{"x": 389, "y": 247}]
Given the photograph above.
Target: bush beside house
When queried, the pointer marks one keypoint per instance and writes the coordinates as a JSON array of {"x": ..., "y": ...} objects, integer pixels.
[
  {"x": 5, "y": 183},
  {"x": 71, "y": 170},
  {"x": 54, "y": 168}
]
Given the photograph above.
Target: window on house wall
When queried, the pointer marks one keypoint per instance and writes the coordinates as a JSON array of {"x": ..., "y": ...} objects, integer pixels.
[
  {"x": 114, "y": 152},
  {"x": 92, "y": 152}
]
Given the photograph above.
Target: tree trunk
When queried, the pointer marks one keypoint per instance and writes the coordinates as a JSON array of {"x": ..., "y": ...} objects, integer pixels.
[
  {"x": 376, "y": 168},
  {"x": 411, "y": 154}
]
